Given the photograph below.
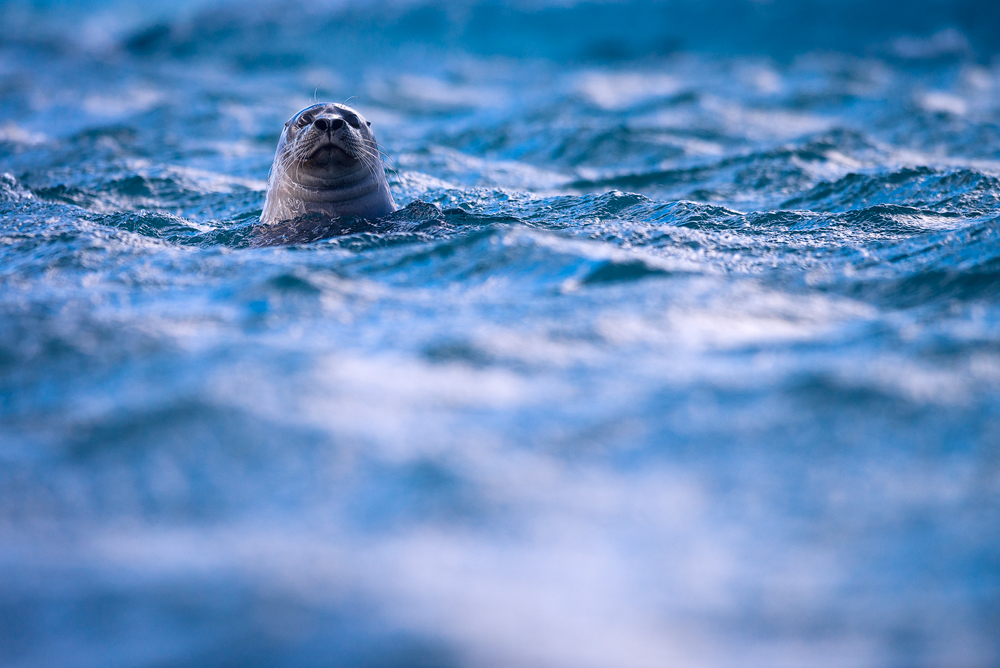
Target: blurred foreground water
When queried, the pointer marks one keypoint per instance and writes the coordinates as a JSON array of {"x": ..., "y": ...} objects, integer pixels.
[{"x": 685, "y": 352}]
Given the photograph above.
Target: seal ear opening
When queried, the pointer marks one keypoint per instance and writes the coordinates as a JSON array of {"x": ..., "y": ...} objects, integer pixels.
[{"x": 369, "y": 123}]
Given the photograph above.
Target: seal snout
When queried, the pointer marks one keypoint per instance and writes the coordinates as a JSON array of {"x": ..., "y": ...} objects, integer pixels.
[{"x": 324, "y": 124}]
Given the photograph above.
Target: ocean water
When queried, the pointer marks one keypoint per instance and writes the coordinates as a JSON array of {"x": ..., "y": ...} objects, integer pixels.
[{"x": 683, "y": 351}]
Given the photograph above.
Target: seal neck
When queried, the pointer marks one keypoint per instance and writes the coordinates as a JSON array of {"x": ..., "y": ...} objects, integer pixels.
[{"x": 340, "y": 187}]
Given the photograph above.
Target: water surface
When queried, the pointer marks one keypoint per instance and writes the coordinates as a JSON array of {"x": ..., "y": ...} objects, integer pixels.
[{"x": 683, "y": 351}]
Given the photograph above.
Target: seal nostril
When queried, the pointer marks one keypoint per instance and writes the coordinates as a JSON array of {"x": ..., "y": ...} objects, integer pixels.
[
  {"x": 321, "y": 124},
  {"x": 337, "y": 124}
]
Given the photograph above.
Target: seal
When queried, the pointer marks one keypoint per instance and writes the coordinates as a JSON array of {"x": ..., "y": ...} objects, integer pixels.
[{"x": 327, "y": 163}]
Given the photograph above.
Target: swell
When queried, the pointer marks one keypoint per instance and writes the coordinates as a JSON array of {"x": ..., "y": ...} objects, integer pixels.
[
  {"x": 965, "y": 192},
  {"x": 718, "y": 238},
  {"x": 112, "y": 187},
  {"x": 759, "y": 177},
  {"x": 576, "y": 31},
  {"x": 944, "y": 268}
]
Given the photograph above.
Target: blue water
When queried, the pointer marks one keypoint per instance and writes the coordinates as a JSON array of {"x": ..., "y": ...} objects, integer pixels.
[{"x": 684, "y": 351}]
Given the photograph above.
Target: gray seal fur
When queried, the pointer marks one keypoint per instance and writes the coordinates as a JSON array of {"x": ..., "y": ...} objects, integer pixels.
[{"x": 327, "y": 163}]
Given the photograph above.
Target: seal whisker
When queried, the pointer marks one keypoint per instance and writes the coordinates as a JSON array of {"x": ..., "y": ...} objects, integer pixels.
[
  {"x": 374, "y": 160},
  {"x": 386, "y": 161},
  {"x": 371, "y": 157},
  {"x": 392, "y": 168}
]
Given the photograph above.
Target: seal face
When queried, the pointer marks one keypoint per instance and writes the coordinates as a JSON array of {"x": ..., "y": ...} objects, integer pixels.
[{"x": 327, "y": 163}]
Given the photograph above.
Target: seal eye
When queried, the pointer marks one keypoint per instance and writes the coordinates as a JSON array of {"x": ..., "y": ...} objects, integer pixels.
[
  {"x": 354, "y": 121},
  {"x": 305, "y": 119}
]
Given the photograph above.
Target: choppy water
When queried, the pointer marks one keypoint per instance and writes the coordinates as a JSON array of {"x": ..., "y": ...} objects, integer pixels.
[{"x": 685, "y": 352}]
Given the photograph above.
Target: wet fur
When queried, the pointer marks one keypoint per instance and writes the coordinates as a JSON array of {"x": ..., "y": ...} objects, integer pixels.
[{"x": 330, "y": 172}]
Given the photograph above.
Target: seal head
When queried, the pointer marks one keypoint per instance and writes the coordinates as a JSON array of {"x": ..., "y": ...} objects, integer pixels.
[{"x": 327, "y": 163}]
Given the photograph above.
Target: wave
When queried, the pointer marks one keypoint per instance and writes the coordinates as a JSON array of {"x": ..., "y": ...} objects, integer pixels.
[
  {"x": 257, "y": 36},
  {"x": 958, "y": 192},
  {"x": 165, "y": 188},
  {"x": 12, "y": 191},
  {"x": 759, "y": 177},
  {"x": 625, "y": 221},
  {"x": 942, "y": 269}
]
